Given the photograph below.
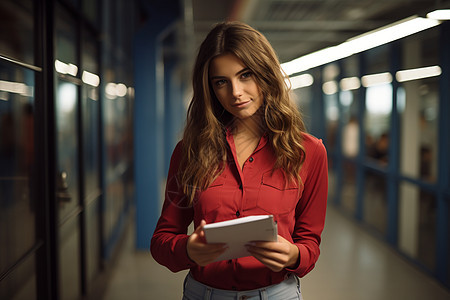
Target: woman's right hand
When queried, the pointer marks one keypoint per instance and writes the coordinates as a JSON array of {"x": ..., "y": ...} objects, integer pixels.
[{"x": 199, "y": 251}]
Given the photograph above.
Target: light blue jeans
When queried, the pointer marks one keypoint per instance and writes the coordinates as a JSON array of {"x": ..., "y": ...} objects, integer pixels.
[{"x": 288, "y": 289}]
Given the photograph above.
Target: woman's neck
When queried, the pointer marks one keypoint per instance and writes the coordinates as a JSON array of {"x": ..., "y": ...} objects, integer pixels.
[{"x": 250, "y": 128}]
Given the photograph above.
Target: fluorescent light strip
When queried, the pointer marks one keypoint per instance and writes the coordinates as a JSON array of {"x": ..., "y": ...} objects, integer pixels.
[
  {"x": 419, "y": 73},
  {"x": 350, "y": 83},
  {"x": 64, "y": 68},
  {"x": 301, "y": 81},
  {"x": 90, "y": 78},
  {"x": 330, "y": 87},
  {"x": 376, "y": 79},
  {"x": 359, "y": 44},
  {"x": 440, "y": 14}
]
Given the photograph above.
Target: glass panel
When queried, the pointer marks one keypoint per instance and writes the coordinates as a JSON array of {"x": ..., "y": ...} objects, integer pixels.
[
  {"x": 20, "y": 284},
  {"x": 90, "y": 10},
  {"x": 377, "y": 122},
  {"x": 417, "y": 224},
  {"x": 114, "y": 207},
  {"x": 17, "y": 203},
  {"x": 90, "y": 105},
  {"x": 378, "y": 103},
  {"x": 16, "y": 30},
  {"x": 448, "y": 242},
  {"x": 92, "y": 240},
  {"x": 349, "y": 100},
  {"x": 69, "y": 260},
  {"x": 332, "y": 114},
  {"x": 67, "y": 182},
  {"x": 418, "y": 107},
  {"x": 302, "y": 98},
  {"x": 419, "y": 130},
  {"x": 348, "y": 199},
  {"x": 66, "y": 37},
  {"x": 375, "y": 201}
]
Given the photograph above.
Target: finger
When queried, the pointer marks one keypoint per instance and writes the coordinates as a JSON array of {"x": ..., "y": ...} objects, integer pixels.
[{"x": 271, "y": 264}]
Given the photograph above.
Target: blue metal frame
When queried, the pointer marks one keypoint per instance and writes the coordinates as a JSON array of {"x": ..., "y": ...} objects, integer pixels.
[{"x": 148, "y": 124}]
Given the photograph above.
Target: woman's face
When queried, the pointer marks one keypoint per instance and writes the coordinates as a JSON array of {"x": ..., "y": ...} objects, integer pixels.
[{"x": 234, "y": 86}]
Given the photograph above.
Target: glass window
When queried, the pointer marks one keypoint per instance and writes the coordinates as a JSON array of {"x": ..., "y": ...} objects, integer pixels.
[
  {"x": 16, "y": 30},
  {"x": 67, "y": 182},
  {"x": 377, "y": 122},
  {"x": 69, "y": 259},
  {"x": 90, "y": 106},
  {"x": 93, "y": 240},
  {"x": 332, "y": 113},
  {"x": 417, "y": 224},
  {"x": 66, "y": 37},
  {"x": 20, "y": 283},
  {"x": 375, "y": 201},
  {"x": 66, "y": 103},
  {"x": 378, "y": 104},
  {"x": 448, "y": 243},
  {"x": 17, "y": 201},
  {"x": 90, "y": 10},
  {"x": 419, "y": 129},
  {"x": 418, "y": 108}
]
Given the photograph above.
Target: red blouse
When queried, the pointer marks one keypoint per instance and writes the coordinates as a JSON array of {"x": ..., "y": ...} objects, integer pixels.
[{"x": 254, "y": 190}]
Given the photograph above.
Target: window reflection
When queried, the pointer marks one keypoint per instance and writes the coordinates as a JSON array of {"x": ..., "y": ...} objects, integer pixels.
[
  {"x": 16, "y": 30},
  {"x": 375, "y": 201},
  {"x": 377, "y": 122},
  {"x": 417, "y": 224},
  {"x": 419, "y": 111},
  {"x": 17, "y": 179}
]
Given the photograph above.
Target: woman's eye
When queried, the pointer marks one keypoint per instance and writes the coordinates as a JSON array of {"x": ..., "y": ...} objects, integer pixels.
[
  {"x": 220, "y": 82},
  {"x": 246, "y": 75}
]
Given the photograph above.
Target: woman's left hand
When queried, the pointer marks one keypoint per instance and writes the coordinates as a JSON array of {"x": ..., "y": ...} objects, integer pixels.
[{"x": 275, "y": 255}]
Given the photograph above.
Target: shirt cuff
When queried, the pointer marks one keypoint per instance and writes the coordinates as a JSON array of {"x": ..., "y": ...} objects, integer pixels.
[
  {"x": 302, "y": 266},
  {"x": 184, "y": 258}
]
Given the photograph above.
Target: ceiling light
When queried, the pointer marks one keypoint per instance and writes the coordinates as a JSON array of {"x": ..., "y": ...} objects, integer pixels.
[
  {"x": 90, "y": 78},
  {"x": 350, "y": 83},
  {"x": 330, "y": 87},
  {"x": 440, "y": 14},
  {"x": 419, "y": 73},
  {"x": 359, "y": 44},
  {"x": 301, "y": 81},
  {"x": 376, "y": 79}
]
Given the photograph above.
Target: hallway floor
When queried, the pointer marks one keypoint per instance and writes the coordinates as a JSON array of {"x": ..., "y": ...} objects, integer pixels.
[{"x": 353, "y": 266}]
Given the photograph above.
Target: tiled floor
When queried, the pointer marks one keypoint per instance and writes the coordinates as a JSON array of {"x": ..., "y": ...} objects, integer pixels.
[{"x": 353, "y": 266}]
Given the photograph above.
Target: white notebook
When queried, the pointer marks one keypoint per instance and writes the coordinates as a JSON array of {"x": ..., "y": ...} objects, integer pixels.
[{"x": 238, "y": 232}]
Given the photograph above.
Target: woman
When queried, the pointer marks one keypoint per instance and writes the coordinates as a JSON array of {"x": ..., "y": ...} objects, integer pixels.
[{"x": 244, "y": 152}]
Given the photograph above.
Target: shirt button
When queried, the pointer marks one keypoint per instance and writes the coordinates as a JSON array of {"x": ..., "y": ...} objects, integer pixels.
[
  {"x": 250, "y": 159},
  {"x": 238, "y": 213}
]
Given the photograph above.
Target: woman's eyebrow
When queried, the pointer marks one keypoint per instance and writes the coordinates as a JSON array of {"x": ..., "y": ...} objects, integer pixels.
[{"x": 237, "y": 73}]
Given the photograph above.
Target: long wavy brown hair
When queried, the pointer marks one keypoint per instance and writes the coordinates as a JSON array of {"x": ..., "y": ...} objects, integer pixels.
[{"x": 204, "y": 140}]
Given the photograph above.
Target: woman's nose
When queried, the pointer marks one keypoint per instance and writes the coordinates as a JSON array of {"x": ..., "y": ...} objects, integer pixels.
[{"x": 236, "y": 89}]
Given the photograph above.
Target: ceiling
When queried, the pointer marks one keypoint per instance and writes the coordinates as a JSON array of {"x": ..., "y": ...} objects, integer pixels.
[{"x": 299, "y": 27}]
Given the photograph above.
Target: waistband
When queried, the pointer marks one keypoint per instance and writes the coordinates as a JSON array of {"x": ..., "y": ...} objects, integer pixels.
[{"x": 197, "y": 290}]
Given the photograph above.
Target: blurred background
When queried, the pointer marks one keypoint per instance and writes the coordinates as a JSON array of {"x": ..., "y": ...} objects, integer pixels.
[{"x": 93, "y": 96}]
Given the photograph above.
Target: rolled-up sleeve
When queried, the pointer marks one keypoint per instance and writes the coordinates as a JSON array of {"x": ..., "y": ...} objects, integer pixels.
[
  {"x": 311, "y": 209},
  {"x": 168, "y": 244}
]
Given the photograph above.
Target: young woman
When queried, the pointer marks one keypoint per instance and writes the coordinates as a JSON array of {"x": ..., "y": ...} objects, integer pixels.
[{"x": 244, "y": 152}]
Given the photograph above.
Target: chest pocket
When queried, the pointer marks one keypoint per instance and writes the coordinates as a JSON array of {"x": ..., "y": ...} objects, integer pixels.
[
  {"x": 209, "y": 201},
  {"x": 275, "y": 195}
]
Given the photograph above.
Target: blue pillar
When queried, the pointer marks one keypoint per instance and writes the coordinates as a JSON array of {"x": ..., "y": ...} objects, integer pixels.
[
  {"x": 174, "y": 111},
  {"x": 149, "y": 122}
]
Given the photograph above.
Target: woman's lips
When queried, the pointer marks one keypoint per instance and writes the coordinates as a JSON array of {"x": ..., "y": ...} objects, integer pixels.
[{"x": 241, "y": 104}]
